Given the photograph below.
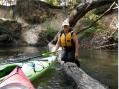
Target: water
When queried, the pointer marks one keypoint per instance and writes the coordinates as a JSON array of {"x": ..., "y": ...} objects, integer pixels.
[
  {"x": 100, "y": 64},
  {"x": 54, "y": 78},
  {"x": 10, "y": 51}
]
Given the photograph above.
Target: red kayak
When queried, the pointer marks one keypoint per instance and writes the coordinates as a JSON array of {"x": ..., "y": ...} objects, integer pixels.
[{"x": 16, "y": 80}]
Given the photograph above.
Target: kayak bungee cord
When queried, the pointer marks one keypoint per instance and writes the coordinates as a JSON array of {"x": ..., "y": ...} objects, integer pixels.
[{"x": 33, "y": 65}]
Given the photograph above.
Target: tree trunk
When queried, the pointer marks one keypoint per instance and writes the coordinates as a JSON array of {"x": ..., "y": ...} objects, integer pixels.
[{"x": 81, "y": 10}]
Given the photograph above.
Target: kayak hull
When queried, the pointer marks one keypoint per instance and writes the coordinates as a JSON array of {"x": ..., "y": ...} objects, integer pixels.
[{"x": 16, "y": 79}]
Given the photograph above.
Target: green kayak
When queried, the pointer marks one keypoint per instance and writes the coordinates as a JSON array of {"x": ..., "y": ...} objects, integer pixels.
[{"x": 32, "y": 69}]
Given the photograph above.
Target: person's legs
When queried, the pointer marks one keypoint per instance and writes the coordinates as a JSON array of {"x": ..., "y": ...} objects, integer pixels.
[
  {"x": 64, "y": 55},
  {"x": 77, "y": 62},
  {"x": 71, "y": 58}
]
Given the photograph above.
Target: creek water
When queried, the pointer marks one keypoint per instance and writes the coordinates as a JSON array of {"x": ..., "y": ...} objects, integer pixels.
[{"x": 99, "y": 64}]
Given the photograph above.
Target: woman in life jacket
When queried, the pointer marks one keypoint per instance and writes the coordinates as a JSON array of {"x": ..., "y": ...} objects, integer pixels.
[{"x": 68, "y": 40}]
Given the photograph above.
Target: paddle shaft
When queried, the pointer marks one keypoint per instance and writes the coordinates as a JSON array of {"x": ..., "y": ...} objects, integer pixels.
[{"x": 27, "y": 59}]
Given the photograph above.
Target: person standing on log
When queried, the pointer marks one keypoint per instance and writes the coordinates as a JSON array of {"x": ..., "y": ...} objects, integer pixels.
[{"x": 68, "y": 40}]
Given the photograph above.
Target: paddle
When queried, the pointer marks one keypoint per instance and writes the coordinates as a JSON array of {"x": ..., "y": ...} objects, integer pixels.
[{"x": 44, "y": 54}]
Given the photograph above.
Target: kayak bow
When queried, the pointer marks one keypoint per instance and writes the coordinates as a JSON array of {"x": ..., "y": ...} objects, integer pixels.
[{"x": 16, "y": 80}]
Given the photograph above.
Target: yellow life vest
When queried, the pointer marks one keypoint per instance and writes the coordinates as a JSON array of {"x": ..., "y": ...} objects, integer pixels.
[{"x": 66, "y": 39}]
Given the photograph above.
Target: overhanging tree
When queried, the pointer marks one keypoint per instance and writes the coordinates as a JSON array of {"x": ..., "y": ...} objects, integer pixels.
[{"x": 81, "y": 10}]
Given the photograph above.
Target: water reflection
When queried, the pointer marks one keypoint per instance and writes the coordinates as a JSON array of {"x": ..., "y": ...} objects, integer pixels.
[
  {"x": 101, "y": 65},
  {"x": 19, "y": 53},
  {"x": 10, "y": 51},
  {"x": 28, "y": 50}
]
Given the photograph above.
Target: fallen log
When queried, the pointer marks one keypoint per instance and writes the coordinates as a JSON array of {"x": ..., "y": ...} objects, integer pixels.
[{"x": 81, "y": 79}]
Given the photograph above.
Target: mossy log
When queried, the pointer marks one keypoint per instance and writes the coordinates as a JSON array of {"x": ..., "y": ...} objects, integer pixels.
[{"x": 81, "y": 79}]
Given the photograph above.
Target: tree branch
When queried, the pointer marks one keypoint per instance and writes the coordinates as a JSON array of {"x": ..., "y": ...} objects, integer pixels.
[
  {"x": 104, "y": 46},
  {"x": 81, "y": 10},
  {"x": 98, "y": 18}
]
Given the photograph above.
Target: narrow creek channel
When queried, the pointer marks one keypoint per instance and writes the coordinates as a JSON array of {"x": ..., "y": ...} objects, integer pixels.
[{"x": 99, "y": 64}]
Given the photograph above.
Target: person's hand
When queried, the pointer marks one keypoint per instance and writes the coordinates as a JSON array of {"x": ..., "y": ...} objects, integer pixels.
[
  {"x": 76, "y": 55},
  {"x": 54, "y": 51}
]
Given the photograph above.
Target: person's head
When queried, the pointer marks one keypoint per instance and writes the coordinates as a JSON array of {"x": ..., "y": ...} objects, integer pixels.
[{"x": 65, "y": 26}]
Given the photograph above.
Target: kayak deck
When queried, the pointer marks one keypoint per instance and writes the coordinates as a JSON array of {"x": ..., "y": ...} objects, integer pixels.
[{"x": 32, "y": 69}]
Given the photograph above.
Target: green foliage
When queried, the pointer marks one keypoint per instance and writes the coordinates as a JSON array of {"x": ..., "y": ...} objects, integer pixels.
[
  {"x": 87, "y": 33},
  {"x": 93, "y": 17},
  {"x": 87, "y": 21},
  {"x": 47, "y": 54},
  {"x": 100, "y": 28},
  {"x": 69, "y": 3},
  {"x": 53, "y": 2},
  {"x": 51, "y": 32},
  {"x": 101, "y": 9}
]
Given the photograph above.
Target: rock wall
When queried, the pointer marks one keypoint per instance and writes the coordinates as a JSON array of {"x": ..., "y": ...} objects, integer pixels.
[{"x": 37, "y": 22}]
